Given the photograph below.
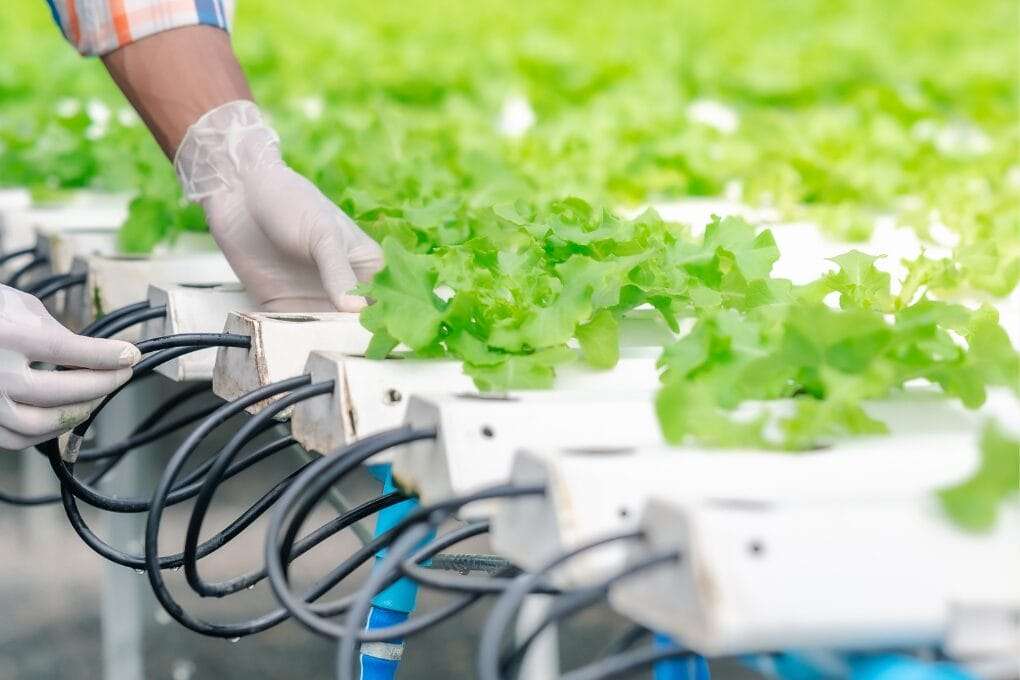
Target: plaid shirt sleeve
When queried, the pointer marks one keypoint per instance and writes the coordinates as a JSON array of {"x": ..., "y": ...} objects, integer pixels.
[{"x": 96, "y": 27}]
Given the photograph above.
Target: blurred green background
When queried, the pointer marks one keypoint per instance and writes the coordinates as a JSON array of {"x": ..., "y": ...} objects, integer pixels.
[{"x": 832, "y": 111}]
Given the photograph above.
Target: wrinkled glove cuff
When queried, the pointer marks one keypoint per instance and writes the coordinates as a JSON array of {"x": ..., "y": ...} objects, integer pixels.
[{"x": 222, "y": 146}]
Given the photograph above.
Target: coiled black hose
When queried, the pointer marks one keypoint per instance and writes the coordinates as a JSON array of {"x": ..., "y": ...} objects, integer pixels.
[
  {"x": 166, "y": 349},
  {"x": 507, "y": 606},
  {"x": 131, "y": 319},
  {"x": 146, "y": 432},
  {"x": 137, "y": 562},
  {"x": 161, "y": 497},
  {"x": 7, "y": 257},
  {"x": 71, "y": 487},
  {"x": 154, "y": 565},
  {"x": 35, "y": 263},
  {"x": 215, "y": 475},
  {"x": 489, "y": 661},
  {"x": 184, "y": 490},
  {"x": 296, "y": 505},
  {"x": 52, "y": 285},
  {"x": 571, "y": 603},
  {"x": 106, "y": 319}
]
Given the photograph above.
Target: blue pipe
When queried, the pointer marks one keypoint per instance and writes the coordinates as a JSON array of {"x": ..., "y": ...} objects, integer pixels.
[
  {"x": 823, "y": 665},
  {"x": 380, "y": 660},
  {"x": 689, "y": 668}
]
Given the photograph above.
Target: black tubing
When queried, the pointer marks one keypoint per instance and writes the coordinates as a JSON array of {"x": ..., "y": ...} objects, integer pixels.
[
  {"x": 46, "y": 283},
  {"x": 223, "y": 459},
  {"x": 283, "y": 526},
  {"x": 143, "y": 434},
  {"x": 197, "y": 340},
  {"x": 488, "y": 659},
  {"x": 166, "y": 349},
  {"x": 153, "y": 563},
  {"x": 131, "y": 319},
  {"x": 37, "y": 261},
  {"x": 106, "y": 319},
  {"x": 575, "y": 601},
  {"x": 7, "y": 257},
  {"x": 173, "y": 561}
]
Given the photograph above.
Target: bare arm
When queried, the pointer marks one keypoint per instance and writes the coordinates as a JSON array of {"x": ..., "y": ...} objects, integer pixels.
[{"x": 173, "y": 77}]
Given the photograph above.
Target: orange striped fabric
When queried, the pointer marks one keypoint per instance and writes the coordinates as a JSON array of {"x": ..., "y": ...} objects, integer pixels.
[{"x": 96, "y": 27}]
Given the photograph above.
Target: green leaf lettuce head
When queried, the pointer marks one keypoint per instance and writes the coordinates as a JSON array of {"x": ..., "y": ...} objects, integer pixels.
[
  {"x": 527, "y": 287},
  {"x": 522, "y": 285},
  {"x": 826, "y": 361}
]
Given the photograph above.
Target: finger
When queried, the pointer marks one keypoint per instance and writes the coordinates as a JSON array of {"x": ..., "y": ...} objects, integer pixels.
[
  {"x": 37, "y": 421},
  {"x": 13, "y": 441},
  {"x": 363, "y": 253},
  {"x": 64, "y": 348},
  {"x": 366, "y": 260},
  {"x": 338, "y": 278},
  {"x": 55, "y": 388}
]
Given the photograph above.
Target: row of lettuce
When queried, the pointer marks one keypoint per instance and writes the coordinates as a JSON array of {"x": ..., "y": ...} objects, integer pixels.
[{"x": 833, "y": 112}]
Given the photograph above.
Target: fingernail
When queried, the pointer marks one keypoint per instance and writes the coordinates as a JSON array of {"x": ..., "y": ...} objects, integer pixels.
[
  {"x": 129, "y": 356},
  {"x": 352, "y": 303},
  {"x": 70, "y": 452}
]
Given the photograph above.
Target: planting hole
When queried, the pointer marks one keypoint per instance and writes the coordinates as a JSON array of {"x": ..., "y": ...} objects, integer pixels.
[
  {"x": 487, "y": 396},
  {"x": 293, "y": 318},
  {"x": 601, "y": 450}
]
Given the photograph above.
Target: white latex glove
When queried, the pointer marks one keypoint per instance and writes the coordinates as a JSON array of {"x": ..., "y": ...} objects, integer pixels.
[
  {"x": 292, "y": 248},
  {"x": 36, "y": 405}
]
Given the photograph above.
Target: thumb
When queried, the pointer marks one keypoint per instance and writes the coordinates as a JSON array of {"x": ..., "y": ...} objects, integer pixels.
[{"x": 337, "y": 274}]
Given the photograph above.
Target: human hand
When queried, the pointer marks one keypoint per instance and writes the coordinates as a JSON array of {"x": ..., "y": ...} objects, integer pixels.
[
  {"x": 292, "y": 248},
  {"x": 35, "y": 404}
]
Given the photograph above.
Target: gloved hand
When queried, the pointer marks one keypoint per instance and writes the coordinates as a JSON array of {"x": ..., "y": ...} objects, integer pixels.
[
  {"x": 291, "y": 247},
  {"x": 37, "y": 405}
]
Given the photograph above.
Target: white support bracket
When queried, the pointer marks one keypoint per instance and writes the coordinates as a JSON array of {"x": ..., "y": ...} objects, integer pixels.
[
  {"x": 280, "y": 346},
  {"x": 115, "y": 281},
  {"x": 21, "y": 227},
  {"x": 833, "y": 573},
  {"x": 193, "y": 308},
  {"x": 368, "y": 396},
  {"x": 374, "y": 395},
  {"x": 478, "y": 436},
  {"x": 13, "y": 200},
  {"x": 589, "y": 494},
  {"x": 62, "y": 245}
]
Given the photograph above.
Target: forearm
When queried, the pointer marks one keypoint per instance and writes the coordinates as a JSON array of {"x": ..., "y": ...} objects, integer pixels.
[{"x": 173, "y": 77}]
